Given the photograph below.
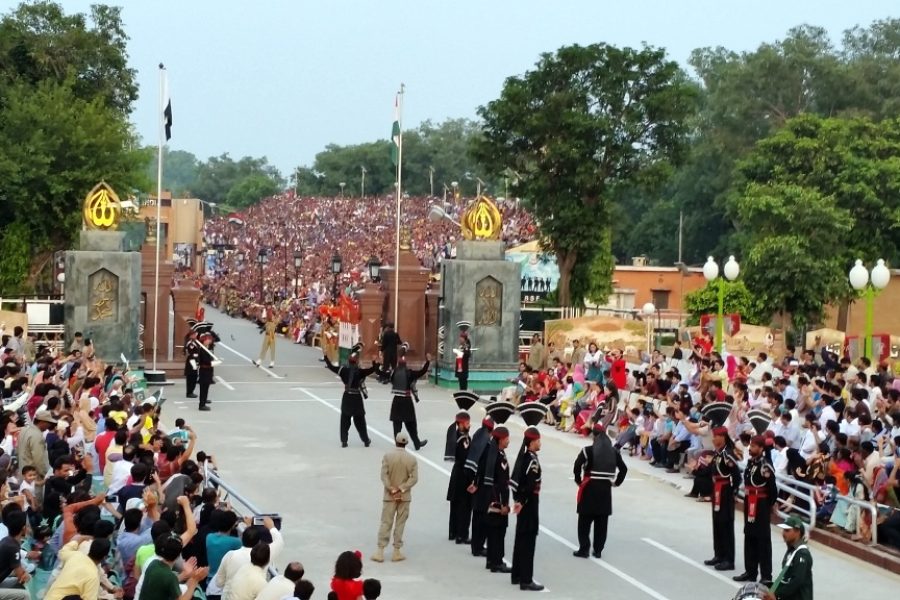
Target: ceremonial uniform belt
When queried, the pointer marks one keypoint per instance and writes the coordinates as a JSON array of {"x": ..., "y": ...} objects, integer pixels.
[
  {"x": 354, "y": 391},
  {"x": 719, "y": 484},
  {"x": 400, "y": 393},
  {"x": 753, "y": 496},
  {"x": 602, "y": 476}
]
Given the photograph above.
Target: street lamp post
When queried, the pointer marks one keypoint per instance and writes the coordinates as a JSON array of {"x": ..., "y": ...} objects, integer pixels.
[
  {"x": 648, "y": 310},
  {"x": 342, "y": 184},
  {"x": 298, "y": 262},
  {"x": 860, "y": 281},
  {"x": 374, "y": 266},
  {"x": 262, "y": 257},
  {"x": 240, "y": 268},
  {"x": 711, "y": 273},
  {"x": 362, "y": 183},
  {"x": 336, "y": 267}
]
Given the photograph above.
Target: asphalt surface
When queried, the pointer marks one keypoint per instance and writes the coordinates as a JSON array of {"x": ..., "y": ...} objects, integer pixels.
[{"x": 274, "y": 433}]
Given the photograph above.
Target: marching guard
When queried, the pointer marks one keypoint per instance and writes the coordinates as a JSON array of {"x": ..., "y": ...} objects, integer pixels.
[
  {"x": 760, "y": 492},
  {"x": 726, "y": 479},
  {"x": 493, "y": 495},
  {"x": 191, "y": 353},
  {"x": 457, "y": 494},
  {"x": 352, "y": 407},
  {"x": 403, "y": 412},
  {"x": 526, "y": 486},
  {"x": 598, "y": 468}
]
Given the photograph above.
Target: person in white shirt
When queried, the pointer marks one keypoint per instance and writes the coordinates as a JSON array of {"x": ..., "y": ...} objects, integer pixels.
[
  {"x": 779, "y": 456},
  {"x": 828, "y": 413},
  {"x": 282, "y": 586},
  {"x": 809, "y": 443},
  {"x": 250, "y": 579},
  {"x": 235, "y": 559}
]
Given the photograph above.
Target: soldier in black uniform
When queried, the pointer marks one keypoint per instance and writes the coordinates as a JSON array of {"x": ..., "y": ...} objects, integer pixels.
[
  {"x": 526, "y": 486},
  {"x": 760, "y": 492},
  {"x": 403, "y": 412},
  {"x": 476, "y": 450},
  {"x": 205, "y": 371},
  {"x": 726, "y": 479},
  {"x": 191, "y": 350},
  {"x": 390, "y": 346},
  {"x": 352, "y": 408},
  {"x": 597, "y": 468},
  {"x": 493, "y": 495},
  {"x": 464, "y": 352},
  {"x": 457, "y": 494}
]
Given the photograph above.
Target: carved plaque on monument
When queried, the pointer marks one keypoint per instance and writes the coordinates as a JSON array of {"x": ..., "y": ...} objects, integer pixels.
[
  {"x": 103, "y": 296},
  {"x": 488, "y": 302}
]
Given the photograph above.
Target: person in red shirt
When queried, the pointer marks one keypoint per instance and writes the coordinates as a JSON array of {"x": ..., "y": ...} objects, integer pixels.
[
  {"x": 346, "y": 583},
  {"x": 103, "y": 440},
  {"x": 618, "y": 370}
]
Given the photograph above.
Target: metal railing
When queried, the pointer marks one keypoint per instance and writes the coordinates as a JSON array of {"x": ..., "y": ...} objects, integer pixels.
[{"x": 212, "y": 479}]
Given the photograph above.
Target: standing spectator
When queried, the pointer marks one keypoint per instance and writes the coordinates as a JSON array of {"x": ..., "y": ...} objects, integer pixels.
[
  {"x": 399, "y": 473},
  {"x": 536, "y": 353},
  {"x": 32, "y": 448}
]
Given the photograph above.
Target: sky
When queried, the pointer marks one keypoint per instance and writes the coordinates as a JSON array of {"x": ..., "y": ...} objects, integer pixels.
[{"x": 284, "y": 78}]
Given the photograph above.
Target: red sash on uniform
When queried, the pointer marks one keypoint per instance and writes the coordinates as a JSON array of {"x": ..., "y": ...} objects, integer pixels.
[
  {"x": 719, "y": 484},
  {"x": 584, "y": 483},
  {"x": 459, "y": 365},
  {"x": 754, "y": 495}
]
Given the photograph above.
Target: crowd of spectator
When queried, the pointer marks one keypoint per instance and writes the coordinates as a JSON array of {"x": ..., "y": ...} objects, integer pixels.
[
  {"x": 357, "y": 229},
  {"x": 830, "y": 422},
  {"x": 101, "y": 501}
]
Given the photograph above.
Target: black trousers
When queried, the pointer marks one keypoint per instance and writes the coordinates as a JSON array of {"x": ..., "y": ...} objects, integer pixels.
[
  {"x": 204, "y": 390},
  {"x": 412, "y": 428},
  {"x": 463, "y": 382},
  {"x": 460, "y": 514},
  {"x": 523, "y": 554},
  {"x": 600, "y": 523},
  {"x": 479, "y": 531},
  {"x": 359, "y": 421},
  {"x": 496, "y": 538},
  {"x": 674, "y": 455},
  {"x": 723, "y": 528},
  {"x": 191, "y": 378},
  {"x": 660, "y": 451},
  {"x": 758, "y": 544}
]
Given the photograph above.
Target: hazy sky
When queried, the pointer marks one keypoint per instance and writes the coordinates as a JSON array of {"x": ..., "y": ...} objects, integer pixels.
[{"x": 283, "y": 78}]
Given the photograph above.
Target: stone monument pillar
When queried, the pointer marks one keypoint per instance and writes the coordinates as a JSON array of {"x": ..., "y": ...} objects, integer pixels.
[
  {"x": 184, "y": 305},
  {"x": 371, "y": 308},
  {"x": 482, "y": 290},
  {"x": 148, "y": 276},
  {"x": 411, "y": 314},
  {"x": 103, "y": 282}
]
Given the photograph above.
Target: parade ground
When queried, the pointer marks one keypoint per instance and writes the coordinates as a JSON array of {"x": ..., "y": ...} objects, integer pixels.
[{"x": 274, "y": 434}]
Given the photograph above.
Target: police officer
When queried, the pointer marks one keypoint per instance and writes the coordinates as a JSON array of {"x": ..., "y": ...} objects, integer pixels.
[
  {"x": 795, "y": 581},
  {"x": 526, "y": 486},
  {"x": 760, "y": 491},
  {"x": 457, "y": 494},
  {"x": 191, "y": 351},
  {"x": 726, "y": 479},
  {"x": 493, "y": 494},
  {"x": 597, "y": 468}
]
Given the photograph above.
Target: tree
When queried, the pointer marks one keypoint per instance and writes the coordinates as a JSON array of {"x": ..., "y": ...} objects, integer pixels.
[
  {"x": 738, "y": 299},
  {"x": 586, "y": 122},
  {"x": 218, "y": 175},
  {"x": 50, "y": 156},
  {"x": 250, "y": 190},
  {"x": 180, "y": 170}
]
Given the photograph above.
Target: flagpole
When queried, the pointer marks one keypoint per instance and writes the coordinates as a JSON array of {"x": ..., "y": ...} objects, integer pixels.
[
  {"x": 399, "y": 196},
  {"x": 159, "y": 175}
]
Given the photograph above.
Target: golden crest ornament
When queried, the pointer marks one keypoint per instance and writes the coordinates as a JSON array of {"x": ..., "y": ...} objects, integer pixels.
[
  {"x": 482, "y": 220},
  {"x": 101, "y": 208}
]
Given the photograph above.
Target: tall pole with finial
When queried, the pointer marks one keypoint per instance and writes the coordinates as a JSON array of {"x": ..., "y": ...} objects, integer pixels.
[{"x": 398, "y": 141}]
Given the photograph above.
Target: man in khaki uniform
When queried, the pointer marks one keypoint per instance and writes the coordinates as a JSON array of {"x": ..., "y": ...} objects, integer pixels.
[
  {"x": 536, "y": 353},
  {"x": 399, "y": 473},
  {"x": 578, "y": 352},
  {"x": 268, "y": 344}
]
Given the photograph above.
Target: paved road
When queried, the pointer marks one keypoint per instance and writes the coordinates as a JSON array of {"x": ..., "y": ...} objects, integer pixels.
[{"x": 275, "y": 435}]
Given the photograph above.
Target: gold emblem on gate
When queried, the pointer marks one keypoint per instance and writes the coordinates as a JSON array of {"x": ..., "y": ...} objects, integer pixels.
[
  {"x": 482, "y": 220},
  {"x": 101, "y": 208}
]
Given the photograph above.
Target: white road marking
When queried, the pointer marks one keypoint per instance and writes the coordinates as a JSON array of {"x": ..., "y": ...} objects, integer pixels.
[
  {"x": 249, "y": 360},
  {"x": 691, "y": 562},
  {"x": 550, "y": 533},
  {"x": 225, "y": 383}
]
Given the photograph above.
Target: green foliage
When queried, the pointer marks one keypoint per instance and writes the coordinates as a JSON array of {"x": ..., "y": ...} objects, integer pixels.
[
  {"x": 180, "y": 169},
  {"x": 443, "y": 148},
  {"x": 738, "y": 299},
  {"x": 220, "y": 174},
  {"x": 15, "y": 248},
  {"x": 250, "y": 190},
  {"x": 586, "y": 123}
]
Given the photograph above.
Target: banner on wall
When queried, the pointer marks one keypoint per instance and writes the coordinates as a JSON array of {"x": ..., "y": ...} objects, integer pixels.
[{"x": 539, "y": 272}]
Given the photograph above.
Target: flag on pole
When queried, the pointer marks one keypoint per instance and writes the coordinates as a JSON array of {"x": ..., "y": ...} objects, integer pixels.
[
  {"x": 395, "y": 132},
  {"x": 167, "y": 106}
]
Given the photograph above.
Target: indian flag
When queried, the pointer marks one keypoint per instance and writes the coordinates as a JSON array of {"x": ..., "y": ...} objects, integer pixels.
[{"x": 395, "y": 132}]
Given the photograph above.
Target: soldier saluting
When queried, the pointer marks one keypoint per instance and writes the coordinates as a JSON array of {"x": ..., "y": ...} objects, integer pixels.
[{"x": 598, "y": 467}]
